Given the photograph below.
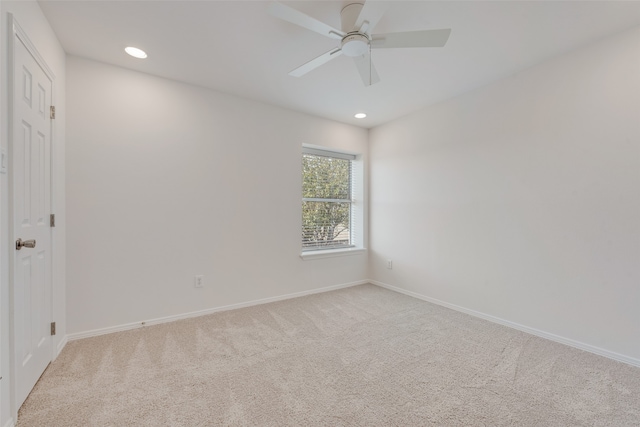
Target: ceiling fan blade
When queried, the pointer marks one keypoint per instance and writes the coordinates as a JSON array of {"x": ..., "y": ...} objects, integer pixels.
[
  {"x": 425, "y": 38},
  {"x": 294, "y": 16},
  {"x": 370, "y": 14},
  {"x": 366, "y": 69},
  {"x": 315, "y": 63}
]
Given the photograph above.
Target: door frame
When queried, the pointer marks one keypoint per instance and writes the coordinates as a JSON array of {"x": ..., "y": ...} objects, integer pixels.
[{"x": 18, "y": 35}]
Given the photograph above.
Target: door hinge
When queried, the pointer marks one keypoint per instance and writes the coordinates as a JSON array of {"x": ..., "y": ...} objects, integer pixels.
[
  {"x": 53, "y": 328},
  {"x": 52, "y": 220},
  {"x": 52, "y": 112}
]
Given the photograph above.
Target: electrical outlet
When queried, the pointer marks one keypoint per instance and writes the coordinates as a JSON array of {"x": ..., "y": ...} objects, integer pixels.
[
  {"x": 199, "y": 281},
  {"x": 389, "y": 264}
]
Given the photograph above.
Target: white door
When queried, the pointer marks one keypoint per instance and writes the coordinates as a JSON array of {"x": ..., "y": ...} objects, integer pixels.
[{"x": 31, "y": 201}]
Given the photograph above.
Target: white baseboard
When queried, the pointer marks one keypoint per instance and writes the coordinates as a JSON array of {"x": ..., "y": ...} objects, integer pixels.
[
  {"x": 61, "y": 345},
  {"x": 9, "y": 423},
  {"x": 552, "y": 337},
  {"x": 141, "y": 324}
]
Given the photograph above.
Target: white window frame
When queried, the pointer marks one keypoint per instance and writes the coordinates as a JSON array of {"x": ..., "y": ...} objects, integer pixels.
[{"x": 357, "y": 204}]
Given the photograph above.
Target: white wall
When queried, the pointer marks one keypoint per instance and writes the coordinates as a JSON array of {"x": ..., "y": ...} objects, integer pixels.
[
  {"x": 167, "y": 180},
  {"x": 521, "y": 200},
  {"x": 30, "y": 18}
]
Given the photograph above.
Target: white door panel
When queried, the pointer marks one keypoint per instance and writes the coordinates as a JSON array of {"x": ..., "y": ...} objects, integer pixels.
[{"x": 31, "y": 201}]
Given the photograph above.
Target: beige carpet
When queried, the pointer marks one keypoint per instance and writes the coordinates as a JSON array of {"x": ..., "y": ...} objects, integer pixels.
[{"x": 362, "y": 356}]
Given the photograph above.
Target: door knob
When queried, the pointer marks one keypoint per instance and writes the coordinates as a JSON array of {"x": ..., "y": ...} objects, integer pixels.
[{"x": 25, "y": 244}]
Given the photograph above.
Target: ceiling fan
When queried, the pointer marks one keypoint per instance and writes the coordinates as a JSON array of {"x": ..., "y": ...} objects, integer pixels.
[{"x": 356, "y": 38}]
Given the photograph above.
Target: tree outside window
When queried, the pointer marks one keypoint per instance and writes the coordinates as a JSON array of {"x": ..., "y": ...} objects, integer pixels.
[{"x": 326, "y": 202}]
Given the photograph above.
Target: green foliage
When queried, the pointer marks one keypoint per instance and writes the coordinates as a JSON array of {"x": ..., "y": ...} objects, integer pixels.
[{"x": 324, "y": 223}]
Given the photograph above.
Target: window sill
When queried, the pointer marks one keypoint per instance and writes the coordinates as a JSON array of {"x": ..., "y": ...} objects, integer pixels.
[{"x": 330, "y": 253}]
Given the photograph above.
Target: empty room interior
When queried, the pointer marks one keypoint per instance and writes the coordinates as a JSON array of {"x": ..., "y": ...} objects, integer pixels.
[{"x": 320, "y": 213}]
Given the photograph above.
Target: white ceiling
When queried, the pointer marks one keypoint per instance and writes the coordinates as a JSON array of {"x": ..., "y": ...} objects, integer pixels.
[{"x": 236, "y": 47}]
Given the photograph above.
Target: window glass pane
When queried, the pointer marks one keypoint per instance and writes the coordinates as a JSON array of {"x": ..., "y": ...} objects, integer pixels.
[
  {"x": 326, "y": 225},
  {"x": 326, "y": 204},
  {"x": 326, "y": 177}
]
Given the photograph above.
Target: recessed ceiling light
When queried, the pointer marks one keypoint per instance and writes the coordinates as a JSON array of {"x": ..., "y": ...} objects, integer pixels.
[
  {"x": 135, "y": 52},
  {"x": 360, "y": 116}
]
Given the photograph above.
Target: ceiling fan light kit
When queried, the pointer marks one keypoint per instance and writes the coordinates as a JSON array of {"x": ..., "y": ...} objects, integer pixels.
[
  {"x": 355, "y": 45},
  {"x": 356, "y": 39}
]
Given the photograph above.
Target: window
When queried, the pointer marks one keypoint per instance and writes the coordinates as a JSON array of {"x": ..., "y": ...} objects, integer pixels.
[{"x": 331, "y": 215}]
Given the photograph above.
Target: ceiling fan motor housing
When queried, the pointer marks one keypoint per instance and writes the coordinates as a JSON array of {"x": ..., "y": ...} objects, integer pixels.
[
  {"x": 355, "y": 43},
  {"x": 349, "y": 15}
]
